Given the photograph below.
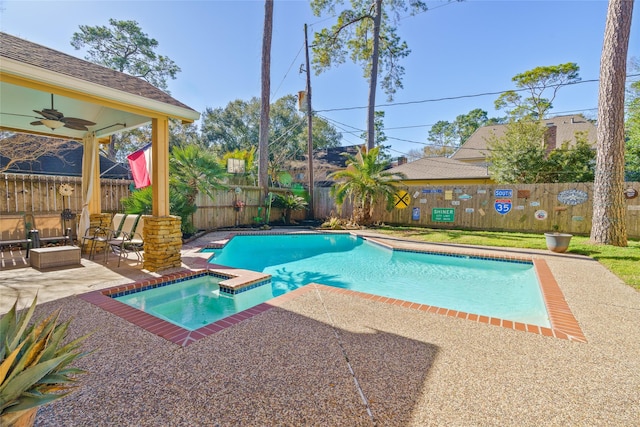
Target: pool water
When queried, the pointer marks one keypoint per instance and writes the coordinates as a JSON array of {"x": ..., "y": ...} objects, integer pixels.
[
  {"x": 194, "y": 302},
  {"x": 496, "y": 288}
]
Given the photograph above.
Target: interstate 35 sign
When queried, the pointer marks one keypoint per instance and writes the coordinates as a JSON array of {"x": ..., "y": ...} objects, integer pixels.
[{"x": 502, "y": 206}]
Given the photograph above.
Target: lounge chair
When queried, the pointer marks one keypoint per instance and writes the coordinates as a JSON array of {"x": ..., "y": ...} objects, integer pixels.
[
  {"x": 101, "y": 235},
  {"x": 128, "y": 241}
]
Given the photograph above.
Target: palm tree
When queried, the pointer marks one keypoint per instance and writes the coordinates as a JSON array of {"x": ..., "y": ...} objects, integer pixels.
[
  {"x": 192, "y": 169},
  {"x": 364, "y": 181}
]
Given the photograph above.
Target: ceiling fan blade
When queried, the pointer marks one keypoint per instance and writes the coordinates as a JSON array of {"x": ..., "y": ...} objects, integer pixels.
[
  {"x": 75, "y": 126},
  {"x": 53, "y": 112},
  {"x": 47, "y": 115},
  {"x": 77, "y": 121},
  {"x": 36, "y": 123}
]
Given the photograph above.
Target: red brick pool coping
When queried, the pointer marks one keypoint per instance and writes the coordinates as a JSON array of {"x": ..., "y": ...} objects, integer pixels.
[{"x": 563, "y": 323}]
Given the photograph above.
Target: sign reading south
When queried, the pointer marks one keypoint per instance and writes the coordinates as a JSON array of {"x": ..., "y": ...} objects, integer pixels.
[
  {"x": 503, "y": 193},
  {"x": 502, "y": 206}
]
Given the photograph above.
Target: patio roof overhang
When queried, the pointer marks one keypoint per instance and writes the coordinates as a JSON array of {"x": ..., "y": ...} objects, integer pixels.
[
  {"x": 30, "y": 73},
  {"x": 25, "y": 87}
]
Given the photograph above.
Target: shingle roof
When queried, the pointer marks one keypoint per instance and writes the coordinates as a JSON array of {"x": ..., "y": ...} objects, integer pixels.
[
  {"x": 440, "y": 168},
  {"x": 70, "y": 166},
  {"x": 49, "y": 59},
  {"x": 475, "y": 148}
]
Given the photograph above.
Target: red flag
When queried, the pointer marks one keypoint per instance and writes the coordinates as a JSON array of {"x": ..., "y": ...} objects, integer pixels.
[{"x": 140, "y": 164}]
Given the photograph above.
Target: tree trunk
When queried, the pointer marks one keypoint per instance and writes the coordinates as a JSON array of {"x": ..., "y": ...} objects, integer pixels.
[
  {"x": 609, "y": 215},
  {"x": 263, "y": 144},
  {"x": 373, "y": 79}
]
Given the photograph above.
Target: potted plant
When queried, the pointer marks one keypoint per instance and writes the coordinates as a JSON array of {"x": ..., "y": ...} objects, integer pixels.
[
  {"x": 289, "y": 203},
  {"x": 556, "y": 241},
  {"x": 238, "y": 205},
  {"x": 34, "y": 364}
]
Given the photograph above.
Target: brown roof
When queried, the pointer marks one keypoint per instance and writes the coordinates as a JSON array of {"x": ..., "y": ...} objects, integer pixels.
[
  {"x": 440, "y": 168},
  {"x": 475, "y": 148},
  {"x": 49, "y": 59}
]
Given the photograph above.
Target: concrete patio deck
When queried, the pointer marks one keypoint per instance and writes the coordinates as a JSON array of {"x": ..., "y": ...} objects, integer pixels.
[{"x": 330, "y": 359}]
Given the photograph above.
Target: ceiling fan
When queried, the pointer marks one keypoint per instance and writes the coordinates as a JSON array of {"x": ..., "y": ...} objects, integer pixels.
[{"x": 54, "y": 119}]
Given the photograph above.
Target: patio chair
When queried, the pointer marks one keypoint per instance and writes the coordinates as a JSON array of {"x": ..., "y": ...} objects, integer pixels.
[
  {"x": 100, "y": 235},
  {"x": 46, "y": 230},
  {"x": 128, "y": 241},
  {"x": 13, "y": 233}
]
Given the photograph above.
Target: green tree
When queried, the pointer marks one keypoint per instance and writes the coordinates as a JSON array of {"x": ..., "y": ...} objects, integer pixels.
[
  {"x": 126, "y": 48},
  {"x": 366, "y": 33},
  {"x": 443, "y": 137},
  {"x": 364, "y": 181},
  {"x": 192, "y": 169},
  {"x": 447, "y": 136},
  {"x": 236, "y": 128},
  {"x": 571, "y": 164},
  {"x": 609, "y": 223},
  {"x": 537, "y": 83},
  {"x": 519, "y": 156},
  {"x": 467, "y": 124},
  {"x": 632, "y": 130}
]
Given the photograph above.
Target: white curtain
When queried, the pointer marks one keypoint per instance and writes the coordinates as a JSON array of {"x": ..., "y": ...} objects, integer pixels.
[{"x": 89, "y": 158}]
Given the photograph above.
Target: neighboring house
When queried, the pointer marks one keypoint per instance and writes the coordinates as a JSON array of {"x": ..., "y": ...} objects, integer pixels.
[
  {"x": 325, "y": 161},
  {"x": 70, "y": 166},
  {"x": 559, "y": 130},
  {"x": 441, "y": 171}
]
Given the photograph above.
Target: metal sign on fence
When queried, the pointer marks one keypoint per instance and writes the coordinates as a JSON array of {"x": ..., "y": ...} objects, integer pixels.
[
  {"x": 503, "y": 193},
  {"x": 401, "y": 200},
  {"x": 502, "y": 206},
  {"x": 443, "y": 214}
]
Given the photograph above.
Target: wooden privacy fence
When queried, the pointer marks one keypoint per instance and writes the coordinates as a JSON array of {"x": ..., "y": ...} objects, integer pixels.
[
  {"x": 222, "y": 210},
  {"x": 527, "y": 207},
  {"x": 38, "y": 197},
  {"x": 565, "y": 207},
  {"x": 40, "y": 194}
]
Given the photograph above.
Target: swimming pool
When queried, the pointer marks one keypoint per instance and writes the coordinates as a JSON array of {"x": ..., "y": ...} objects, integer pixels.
[
  {"x": 563, "y": 324},
  {"x": 484, "y": 286}
]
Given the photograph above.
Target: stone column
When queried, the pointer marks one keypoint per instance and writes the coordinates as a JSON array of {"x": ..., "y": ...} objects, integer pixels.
[{"x": 162, "y": 242}]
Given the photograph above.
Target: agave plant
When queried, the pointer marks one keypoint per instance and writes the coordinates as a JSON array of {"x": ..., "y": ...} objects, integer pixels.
[{"x": 34, "y": 363}]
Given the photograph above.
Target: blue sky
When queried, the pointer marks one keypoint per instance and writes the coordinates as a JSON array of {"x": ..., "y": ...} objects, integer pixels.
[{"x": 458, "y": 49}]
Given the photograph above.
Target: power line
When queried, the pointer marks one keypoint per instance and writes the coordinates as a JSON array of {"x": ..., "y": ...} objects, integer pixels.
[
  {"x": 557, "y": 113},
  {"x": 448, "y": 3},
  {"x": 287, "y": 72},
  {"x": 451, "y": 98}
]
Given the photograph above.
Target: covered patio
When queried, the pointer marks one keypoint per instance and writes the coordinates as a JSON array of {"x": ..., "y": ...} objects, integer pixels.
[{"x": 34, "y": 77}]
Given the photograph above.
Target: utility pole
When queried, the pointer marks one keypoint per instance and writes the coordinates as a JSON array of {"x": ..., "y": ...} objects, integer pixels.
[
  {"x": 263, "y": 142},
  {"x": 310, "y": 213}
]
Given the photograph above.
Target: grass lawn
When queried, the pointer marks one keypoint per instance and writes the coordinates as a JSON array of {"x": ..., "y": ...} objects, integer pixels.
[{"x": 623, "y": 262}]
